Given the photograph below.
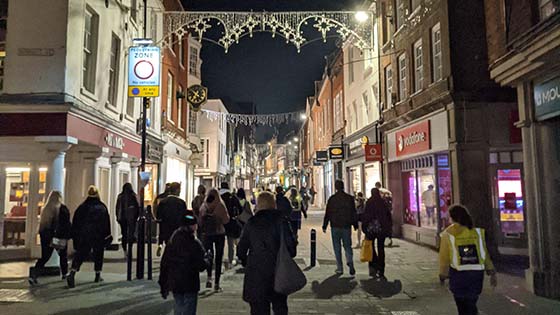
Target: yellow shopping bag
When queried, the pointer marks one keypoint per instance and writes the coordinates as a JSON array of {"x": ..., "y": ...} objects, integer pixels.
[{"x": 366, "y": 253}]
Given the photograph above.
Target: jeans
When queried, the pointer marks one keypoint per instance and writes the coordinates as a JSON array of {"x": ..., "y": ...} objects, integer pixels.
[
  {"x": 343, "y": 235},
  {"x": 231, "y": 244},
  {"x": 466, "y": 305},
  {"x": 279, "y": 305},
  {"x": 83, "y": 252},
  {"x": 185, "y": 303},
  {"x": 216, "y": 244},
  {"x": 47, "y": 250},
  {"x": 378, "y": 263}
]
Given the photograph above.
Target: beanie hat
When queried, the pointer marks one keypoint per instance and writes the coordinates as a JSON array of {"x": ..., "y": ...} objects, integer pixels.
[{"x": 93, "y": 192}]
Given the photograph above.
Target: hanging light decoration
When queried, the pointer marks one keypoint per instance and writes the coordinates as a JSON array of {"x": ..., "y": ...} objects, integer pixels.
[{"x": 252, "y": 119}]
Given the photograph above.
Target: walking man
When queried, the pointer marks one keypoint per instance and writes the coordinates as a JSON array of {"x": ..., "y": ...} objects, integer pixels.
[
  {"x": 170, "y": 211},
  {"x": 341, "y": 214}
]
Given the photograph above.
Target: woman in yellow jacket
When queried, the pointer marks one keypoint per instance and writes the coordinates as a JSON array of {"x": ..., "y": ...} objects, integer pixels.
[{"x": 463, "y": 259}]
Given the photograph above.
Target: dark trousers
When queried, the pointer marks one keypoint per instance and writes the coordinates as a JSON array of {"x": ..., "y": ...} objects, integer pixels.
[
  {"x": 466, "y": 305},
  {"x": 296, "y": 225},
  {"x": 46, "y": 252},
  {"x": 378, "y": 262},
  {"x": 279, "y": 306},
  {"x": 82, "y": 254},
  {"x": 124, "y": 233},
  {"x": 216, "y": 244}
]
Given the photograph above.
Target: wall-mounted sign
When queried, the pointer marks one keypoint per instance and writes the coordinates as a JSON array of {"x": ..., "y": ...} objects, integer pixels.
[
  {"x": 414, "y": 139},
  {"x": 321, "y": 156},
  {"x": 143, "y": 71},
  {"x": 336, "y": 153},
  {"x": 42, "y": 52},
  {"x": 547, "y": 99},
  {"x": 197, "y": 95},
  {"x": 373, "y": 153},
  {"x": 114, "y": 141}
]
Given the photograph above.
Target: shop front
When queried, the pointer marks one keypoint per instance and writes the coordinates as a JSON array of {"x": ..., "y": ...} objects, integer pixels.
[
  {"x": 361, "y": 175},
  {"x": 175, "y": 165}
]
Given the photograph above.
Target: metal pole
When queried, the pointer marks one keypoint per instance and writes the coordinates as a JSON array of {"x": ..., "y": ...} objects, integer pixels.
[
  {"x": 149, "y": 232},
  {"x": 313, "y": 247},
  {"x": 129, "y": 259}
]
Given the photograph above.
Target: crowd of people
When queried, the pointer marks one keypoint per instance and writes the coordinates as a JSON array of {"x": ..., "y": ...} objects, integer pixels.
[{"x": 255, "y": 227}]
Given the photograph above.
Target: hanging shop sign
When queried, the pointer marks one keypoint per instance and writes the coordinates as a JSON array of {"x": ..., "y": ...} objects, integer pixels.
[
  {"x": 547, "y": 99},
  {"x": 414, "y": 139},
  {"x": 321, "y": 156},
  {"x": 143, "y": 71},
  {"x": 373, "y": 153},
  {"x": 197, "y": 95},
  {"x": 336, "y": 153}
]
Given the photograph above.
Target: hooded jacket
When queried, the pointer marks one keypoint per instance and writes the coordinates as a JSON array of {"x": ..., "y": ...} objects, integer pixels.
[
  {"x": 170, "y": 213},
  {"x": 91, "y": 224},
  {"x": 217, "y": 209}
]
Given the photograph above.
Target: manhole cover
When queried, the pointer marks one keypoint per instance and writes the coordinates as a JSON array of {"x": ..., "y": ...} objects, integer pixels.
[{"x": 13, "y": 295}]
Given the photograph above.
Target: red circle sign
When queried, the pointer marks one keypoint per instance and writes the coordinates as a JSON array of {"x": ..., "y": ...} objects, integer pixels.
[{"x": 143, "y": 69}]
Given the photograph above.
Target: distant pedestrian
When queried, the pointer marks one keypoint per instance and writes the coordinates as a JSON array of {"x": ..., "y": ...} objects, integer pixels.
[
  {"x": 128, "y": 211},
  {"x": 54, "y": 232},
  {"x": 171, "y": 211},
  {"x": 341, "y": 214},
  {"x": 387, "y": 196},
  {"x": 463, "y": 258},
  {"x": 429, "y": 201},
  {"x": 297, "y": 210},
  {"x": 233, "y": 226},
  {"x": 91, "y": 232},
  {"x": 304, "y": 199},
  {"x": 376, "y": 225},
  {"x": 360, "y": 208},
  {"x": 312, "y": 193},
  {"x": 198, "y": 200},
  {"x": 282, "y": 203},
  {"x": 213, "y": 216},
  {"x": 184, "y": 258},
  {"x": 247, "y": 211},
  {"x": 257, "y": 251}
]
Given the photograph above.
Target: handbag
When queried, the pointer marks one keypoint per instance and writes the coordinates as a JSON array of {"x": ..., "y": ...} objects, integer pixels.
[
  {"x": 366, "y": 252},
  {"x": 58, "y": 243},
  {"x": 233, "y": 228},
  {"x": 374, "y": 228},
  {"x": 288, "y": 277}
]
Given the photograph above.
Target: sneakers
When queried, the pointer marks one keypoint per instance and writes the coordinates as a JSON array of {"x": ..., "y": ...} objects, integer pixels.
[
  {"x": 338, "y": 271},
  {"x": 218, "y": 289},
  {"x": 159, "y": 249},
  {"x": 209, "y": 283},
  {"x": 98, "y": 277},
  {"x": 70, "y": 279}
]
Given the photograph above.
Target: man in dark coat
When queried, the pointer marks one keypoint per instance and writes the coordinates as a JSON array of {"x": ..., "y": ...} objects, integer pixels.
[
  {"x": 341, "y": 214},
  {"x": 170, "y": 212},
  {"x": 257, "y": 250},
  {"x": 282, "y": 203},
  {"x": 128, "y": 211},
  {"x": 233, "y": 227},
  {"x": 91, "y": 231}
]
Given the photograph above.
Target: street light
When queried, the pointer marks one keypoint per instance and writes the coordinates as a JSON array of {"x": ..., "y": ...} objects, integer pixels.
[
  {"x": 295, "y": 146},
  {"x": 303, "y": 116},
  {"x": 361, "y": 16},
  {"x": 296, "y": 139},
  {"x": 290, "y": 142}
]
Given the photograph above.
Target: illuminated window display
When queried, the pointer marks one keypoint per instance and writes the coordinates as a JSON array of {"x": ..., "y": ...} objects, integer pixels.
[{"x": 511, "y": 201}]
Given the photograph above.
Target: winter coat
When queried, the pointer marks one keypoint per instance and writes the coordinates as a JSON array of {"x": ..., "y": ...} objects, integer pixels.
[
  {"x": 63, "y": 226},
  {"x": 127, "y": 209},
  {"x": 232, "y": 204},
  {"x": 378, "y": 209},
  {"x": 91, "y": 224},
  {"x": 341, "y": 211},
  {"x": 247, "y": 212},
  {"x": 218, "y": 210},
  {"x": 196, "y": 204},
  {"x": 170, "y": 212},
  {"x": 283, "y": 204},
  {"x": 257, "y": 251},
  {"x": 182, "y": 261}
]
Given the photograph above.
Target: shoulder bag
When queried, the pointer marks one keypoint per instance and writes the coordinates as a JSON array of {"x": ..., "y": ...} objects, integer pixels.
[{"x": 288, "y": 277}]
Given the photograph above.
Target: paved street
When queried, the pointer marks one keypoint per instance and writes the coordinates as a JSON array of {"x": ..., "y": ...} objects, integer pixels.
[{"x": 412, "y": 289}]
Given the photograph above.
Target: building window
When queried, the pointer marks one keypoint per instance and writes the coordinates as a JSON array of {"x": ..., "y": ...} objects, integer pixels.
[
  {"x": 134, "y": 10},
  {"x": 168, "y": 110},
  {"x": 90, "y": 49},
  {"x": 205, "y": 154},
  {"x": 548, "y": 8},
  {"x": 350, "y": 64},
  {"x": 338, "y": 121},
  {"x": 114, "y": 69},
  {"x": 418, "y": 66},
  {"x": 436, "y": 54},
  {"x": 402, "y": 77},
  {"x": 180, "y": 53},
  {"x": 389, "y": 86},
  {"x": 180, "y": 109},
  {"x": 384, "y": 23},
  {"x": 193, "y": 61},
  {"x": 365, "y": 100},
  {"x": 399, "y": 13},
  {"x": 130, "y": 106},
  {"x": 356, "y": 118},
  {"x": 193, "y": 116}
]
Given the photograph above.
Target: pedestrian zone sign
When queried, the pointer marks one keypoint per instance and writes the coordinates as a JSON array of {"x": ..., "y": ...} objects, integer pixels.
[{"x": 143, "y": 71}]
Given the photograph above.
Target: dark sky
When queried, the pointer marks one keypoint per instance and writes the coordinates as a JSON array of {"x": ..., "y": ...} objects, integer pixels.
[{"x": 266, "y": 70}]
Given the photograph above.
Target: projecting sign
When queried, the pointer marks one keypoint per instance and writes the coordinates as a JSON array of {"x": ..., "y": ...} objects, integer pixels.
[
  {"x": 321, "y": 156},
  {"x": 143, "y": 71},
  {"x": 373, "y": 152},
  {"x": 336, "y": 153}
]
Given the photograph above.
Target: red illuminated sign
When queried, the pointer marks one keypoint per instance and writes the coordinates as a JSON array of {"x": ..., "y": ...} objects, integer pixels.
[
  {"x": 373, "y": 152},
  {"x": 414, "y": 139}
]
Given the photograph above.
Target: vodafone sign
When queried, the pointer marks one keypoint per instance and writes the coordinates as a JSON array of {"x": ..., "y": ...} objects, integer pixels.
[
  {"x": 373, "y": 152},
  {"x": 414, "y": 139}
]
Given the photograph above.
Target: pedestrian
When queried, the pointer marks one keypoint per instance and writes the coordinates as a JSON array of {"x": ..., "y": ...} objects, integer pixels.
[
  {"x": 184, "y": 258},
  {"x": 376, "y": 225},
  {"x": 233, "y": 227},
  {"x": 282, "y": 203},
  {"x": 213, "y": 216},
  {"x": 463, "y": 258},
  {"x": 247, "y": 211},
  {"x": 171, "y": 210},
  {"x": 297, "y": 211},
  {"x": 387, "y": 196},
  {"x": 360, "y": 208},
  {"x": 304, "y": 199},
  {"x": 128, "y": 211},
  {"x": 312, "y": 193},
  {"x": 198, "y": 200},
  {"x": 91, "y": 232},
  {"x": 257, "y": 251},
  {"x": 54, "y": 232},
  {"x": 341, "y": 214},
  {"x": 155, "y": 207},
  {"x": 429, "y": 201}
]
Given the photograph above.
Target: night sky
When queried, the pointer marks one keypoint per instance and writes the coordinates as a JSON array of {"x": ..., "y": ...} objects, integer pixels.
[{"x": 265, "y": 70}]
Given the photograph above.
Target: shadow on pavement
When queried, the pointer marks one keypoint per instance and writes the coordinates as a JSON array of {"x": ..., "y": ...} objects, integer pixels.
[
  {"x": 381, "y": 289},
  {"x": 332, "y": 286}
]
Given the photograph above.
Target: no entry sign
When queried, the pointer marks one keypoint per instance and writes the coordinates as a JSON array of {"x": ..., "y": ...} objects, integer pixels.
[{"x": 143, "y": 71}]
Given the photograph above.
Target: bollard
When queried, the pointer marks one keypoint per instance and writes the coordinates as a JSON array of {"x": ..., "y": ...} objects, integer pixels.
[
  {"x": 313, "y": 247},
  {"x": 140, "y": 246},
  {"x": 149, "y": 233},
  {"x": 129, "y": 243}
]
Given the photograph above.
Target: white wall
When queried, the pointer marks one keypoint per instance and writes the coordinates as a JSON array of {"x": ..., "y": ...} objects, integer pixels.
[{"x": 211, "y": 130}]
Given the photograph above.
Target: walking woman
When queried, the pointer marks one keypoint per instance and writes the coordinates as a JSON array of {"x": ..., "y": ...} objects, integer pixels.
[
  {"x": 463, "y": 258},
  {"x": 213, "y": 216},
  {"x": 360, "y": 208},
  {"x": 54, "y": 231},
  {"x": 128, "y": 211},
  {"x": 297, "y": 210},
  {"x": 376, "y": 225},
  {"x": 91, "y": 231},
  {"x": 246, "y": 212}
]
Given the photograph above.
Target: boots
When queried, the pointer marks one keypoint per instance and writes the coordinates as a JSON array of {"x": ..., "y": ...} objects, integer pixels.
[
  {"x": 32, "y": 276},
  {"x": 70, "y": 279},
  {"x": 98, "y": 277}
]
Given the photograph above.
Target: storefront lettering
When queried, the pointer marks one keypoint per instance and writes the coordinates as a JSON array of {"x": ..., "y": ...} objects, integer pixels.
[
  {"x": 547, "y": 99},
  {"x": 414, "y": 139},
  {"x": 547, "y": 96},
  {"x": 411, "y": 139},
  {"x": 114, "y": 141}
]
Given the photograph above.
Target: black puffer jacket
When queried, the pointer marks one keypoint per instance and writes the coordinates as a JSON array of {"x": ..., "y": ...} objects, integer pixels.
[
  {"x": 283, "y": 204},
  {"x": 170, "y": 213},
  {"x": 341, "y": 211},
  {"x": 377, "y": 209},
  {"x": 91, "y": 224},
  {"x": 181, "y": 263},
  {"x": 257, "y": 250}
]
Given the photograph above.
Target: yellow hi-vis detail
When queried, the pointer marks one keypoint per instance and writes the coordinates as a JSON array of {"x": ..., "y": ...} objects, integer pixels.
[{"x": 467, "y": 250}]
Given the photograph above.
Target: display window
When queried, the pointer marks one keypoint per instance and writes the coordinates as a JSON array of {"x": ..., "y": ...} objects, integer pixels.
[
  {"x": 410, "y": 198},
  {"x": 372, "y": 176},
  {"x": 428, "y": 198},
  {"x": 150, "y": 192},
  {"x": 511, "y": 202},
  {"x": 355, "y": 176},
  {"x": 444, "y": 189}
]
